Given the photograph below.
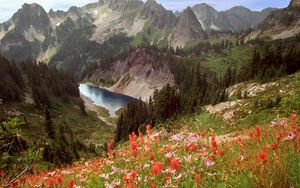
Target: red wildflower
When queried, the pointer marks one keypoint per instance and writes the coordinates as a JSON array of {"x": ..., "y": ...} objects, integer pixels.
[
  {"x": 240, "y": 141},
  {"x": 157, "y": 168},
  {"x": 71, "y": 183},
  {"x": 58, "y": 179},
  {"x": 263, "y": 157},
  {"x": 153, "y": 185},
  {"x": 2, "y": 174},
  {"x": 125, "y": 178},
  {"x": 175, "y": 164},
  {"x": 23, "y": 179},
  {"x": 152, "y": 157},
  {"x": 50, "y": 182},
  {"x": 191, "y": 147},
  {"x": 15, "y": 184},
  {"x": 221, "y": 152},
  {"x": 167, "y": 178},
  {"x": 110, "y": 145},
  {"x": 133, "y": 145},
  {"x": 168, "y": 148},
  {"x": 133, "y": 174},
  {"x": 213, "y": 142},
  {"x": 293, "y": 117},
  {"x": 214, "y": 150},
  {"x": 148, "y": 128},
  {"x": 275, "y": 146},
  {"x": 197, "y": 179},
  {"x": 258, "y": 131},
  {"x": 141, "y": 138}
]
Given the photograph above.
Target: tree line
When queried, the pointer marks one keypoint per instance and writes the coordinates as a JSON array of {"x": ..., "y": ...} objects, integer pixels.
[{"x": 196, "y": 87}]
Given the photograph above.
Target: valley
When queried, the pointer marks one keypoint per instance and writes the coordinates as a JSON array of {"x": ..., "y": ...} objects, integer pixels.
[{"x": 126, "y": 93}]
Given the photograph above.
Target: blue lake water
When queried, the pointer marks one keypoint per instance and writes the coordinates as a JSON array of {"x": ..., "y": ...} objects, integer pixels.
[{"x": 102, "y": 97}]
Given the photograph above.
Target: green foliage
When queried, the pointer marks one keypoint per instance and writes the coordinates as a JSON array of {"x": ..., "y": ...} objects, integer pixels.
[
  {"x": 272, "y": 60},
  {"x": 15, "y": 154},
  {"x": 131, "y": 119},
  {"x": 11, "y": 81}
]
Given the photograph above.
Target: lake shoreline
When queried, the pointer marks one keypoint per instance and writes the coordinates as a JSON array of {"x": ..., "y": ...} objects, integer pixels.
[{"x": 91, "y": 106}]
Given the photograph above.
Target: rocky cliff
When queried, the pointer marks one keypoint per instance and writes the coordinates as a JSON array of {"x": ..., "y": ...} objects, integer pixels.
[
  {"x": 235, "y": 19},
  {"x": 137, "y": 75},
  {"x": 158, "y": 15},
  {"x": 188, "y": 28},
  {"x": 280, "y": 24}
]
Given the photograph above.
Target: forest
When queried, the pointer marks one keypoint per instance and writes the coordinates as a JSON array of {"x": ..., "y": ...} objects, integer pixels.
[{"x": 196, "y": 87}]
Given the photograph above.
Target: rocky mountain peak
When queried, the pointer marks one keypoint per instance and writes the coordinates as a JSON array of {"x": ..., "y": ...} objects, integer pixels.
[
  {"x": 122, "y": 5},
  {"x": 58, "y": 13},
  {"x": 295, "y": 3},
  {"x": 206, "y": 15},
  {"x": 188, "y": 28},
  {"x": 158, "y": 15},
  {"x": 31, "y": 15}
]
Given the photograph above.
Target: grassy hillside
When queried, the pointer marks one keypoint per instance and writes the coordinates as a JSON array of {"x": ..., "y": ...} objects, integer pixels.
[
  {"x": 257, "y": 149},
  {"x": 86, "y": 127}
]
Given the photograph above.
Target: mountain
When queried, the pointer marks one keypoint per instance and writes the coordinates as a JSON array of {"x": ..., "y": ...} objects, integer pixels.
[
  {"x": 25, "y": 32},
  {"x": 236, "y": 19},
  {"x": 158, "y": 16},
  {"x": 136, "y": 75},
  {"x": 280, "y": 24},
  {"x": 295, "y": 3},
  {"x": 206, "y": 15},
  {"x": 188, "y": 27},
  {"x": 80, "y": 36}
]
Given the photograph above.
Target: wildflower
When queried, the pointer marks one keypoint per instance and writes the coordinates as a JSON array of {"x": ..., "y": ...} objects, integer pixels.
[
  {"x": 58, "y": 179},
  {"x": 177, "y": 137},
  {"x": 152, "y": 157},
  {"x": 214, "y": 150},
  {"x": 208, "y": 162},
  {"x": 110, "y": 145},
  {"x": 71, "y": 183},
  {"x": 175, "y": 164},
  {"x": 275, "y": 146},
  {"x": 221, "y": 152},
  {"x": 293, "y": 117},
  {"x": 50, "y": 182},
  {"x": 191, "y": 147},
  {"x": 240, "y": 142},
  {"x": 23, "y": 179},
  {"x": 148, "y": 129},
  {"x": 291, "y": 136},
  {"x": 262, "y": 157},
  {"x": 188, "y": 159},
  {"x": 258, "y": 131},
  {"x": 2, "y": 174},
  {"x": 157, "y": 168},
  {"x": 15, "y": 184},
  {"x": 197, "y": 179},
  {"x": 141, "y": 138},
  {"x": 153, "y": 185},
  {"x": 213, "y": 142}
]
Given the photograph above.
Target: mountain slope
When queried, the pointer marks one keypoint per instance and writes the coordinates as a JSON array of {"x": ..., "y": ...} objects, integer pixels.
[
  {"x": 281, "y": 24},
  {"x": 136, "y": 75},
  {"x": 187, "y": 28},
  {"x": 236, "y": 19},
  {"x": 240, "y": 154}
]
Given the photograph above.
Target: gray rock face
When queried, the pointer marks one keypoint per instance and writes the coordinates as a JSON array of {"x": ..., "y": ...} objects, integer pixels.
[
  {"x": 242, "y": 19},
  {"x": 188, "y": 26},
  {"x": 236, "y": 19},
  {"x": 158, "y": 15},
  {"x": 295, "y": 3},
  {"x": 122, "y": 5},
  {"x": 31, "y": 15},
  {"x": 206, "y": 15}
]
